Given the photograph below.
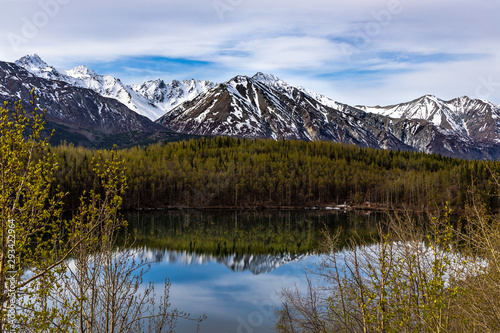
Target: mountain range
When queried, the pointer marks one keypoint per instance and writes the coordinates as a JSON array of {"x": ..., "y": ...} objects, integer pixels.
[{"x": 98, "y": 110}]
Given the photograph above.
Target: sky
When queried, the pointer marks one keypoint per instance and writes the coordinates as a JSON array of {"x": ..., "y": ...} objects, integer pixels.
[{"x": 359, "y": 52}]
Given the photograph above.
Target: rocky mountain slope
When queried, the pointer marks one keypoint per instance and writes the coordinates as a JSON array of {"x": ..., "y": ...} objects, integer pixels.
[
  {"x": 474, "y": 118},
  {"x": 79, "y": 115},
  {"x": 166, "y": 96},
  {"x": 265, "y": 106}
]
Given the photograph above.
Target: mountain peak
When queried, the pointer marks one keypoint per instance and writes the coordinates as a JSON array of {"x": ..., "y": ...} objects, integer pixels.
[
  {"x": 31, "y": 61},
  {"x": 239, "y": 79},
  {"x": 81, "y": 71},
  {"x": 158, "y": 83},
  {"x": 429, "y": 97},
  {"x": 266, "y": 78}
]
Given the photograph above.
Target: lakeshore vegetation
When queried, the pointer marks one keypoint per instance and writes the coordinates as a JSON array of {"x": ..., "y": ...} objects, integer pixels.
[{"x": 61, "y": 273}]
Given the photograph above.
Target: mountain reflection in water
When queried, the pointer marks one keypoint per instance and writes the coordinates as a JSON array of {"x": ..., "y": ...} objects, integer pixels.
[
  {"x": 231, "y": 265},
  {"x": 257, "y": 264}
]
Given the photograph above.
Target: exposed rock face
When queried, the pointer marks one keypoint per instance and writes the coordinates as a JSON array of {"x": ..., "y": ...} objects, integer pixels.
[
  {"x": 79, "y": 115},
  {"x": 263, "y": 106},
  {"x": 462, "y": 127}
]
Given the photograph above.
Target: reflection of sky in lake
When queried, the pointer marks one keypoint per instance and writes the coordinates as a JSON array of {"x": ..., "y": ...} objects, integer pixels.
[
  {"x": 244, "y": 301},
  {"x": 233, "y": 301},
  {"x": 236, "y": 292}
]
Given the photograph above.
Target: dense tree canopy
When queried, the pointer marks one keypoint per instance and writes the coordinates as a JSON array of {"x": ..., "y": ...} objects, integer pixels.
[{"x": 229, "y": 172}]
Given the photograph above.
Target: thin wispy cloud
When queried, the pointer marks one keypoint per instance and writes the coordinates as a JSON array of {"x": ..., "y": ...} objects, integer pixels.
[{"x": 357, "y": 52}]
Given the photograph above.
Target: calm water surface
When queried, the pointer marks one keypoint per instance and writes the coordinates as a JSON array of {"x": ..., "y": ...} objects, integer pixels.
[{"x": 230, "y": 265}]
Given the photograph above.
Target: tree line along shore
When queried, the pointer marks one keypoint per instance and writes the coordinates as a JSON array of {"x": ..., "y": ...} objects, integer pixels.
[{"x": 263, "y": 173}]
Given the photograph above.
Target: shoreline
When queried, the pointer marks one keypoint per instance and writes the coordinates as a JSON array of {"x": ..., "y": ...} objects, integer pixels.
[{"x": 337, "y": 208}]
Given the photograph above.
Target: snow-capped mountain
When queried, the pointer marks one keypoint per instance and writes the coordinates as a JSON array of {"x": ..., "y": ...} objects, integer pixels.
[
  {"x": 266, "y": 107},
  {"x": 288, "y": 90},
  {"x": 151, "y": 99},
  {"x": 474, "y": 118},
  {"x": 79, "y": 115},
  {"x": 34, "y": 64},
  {"x": 167, "y": 96}
]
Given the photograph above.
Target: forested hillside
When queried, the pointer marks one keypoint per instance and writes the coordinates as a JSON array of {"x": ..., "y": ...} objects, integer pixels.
[{"x": 228, "y": 172}]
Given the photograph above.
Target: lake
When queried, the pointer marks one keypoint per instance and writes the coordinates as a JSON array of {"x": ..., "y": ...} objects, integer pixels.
[{"x": 231, "y": 265}]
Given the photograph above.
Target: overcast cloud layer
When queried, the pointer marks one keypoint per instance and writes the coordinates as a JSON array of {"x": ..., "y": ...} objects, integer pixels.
[{"x": 357, "y": 52}]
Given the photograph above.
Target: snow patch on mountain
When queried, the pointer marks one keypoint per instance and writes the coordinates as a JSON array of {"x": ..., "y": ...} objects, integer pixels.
[
  {"x": 166, "y": 96},
  {"x": 475, "y": 118},
  {"x": 428, "y": 108}
]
